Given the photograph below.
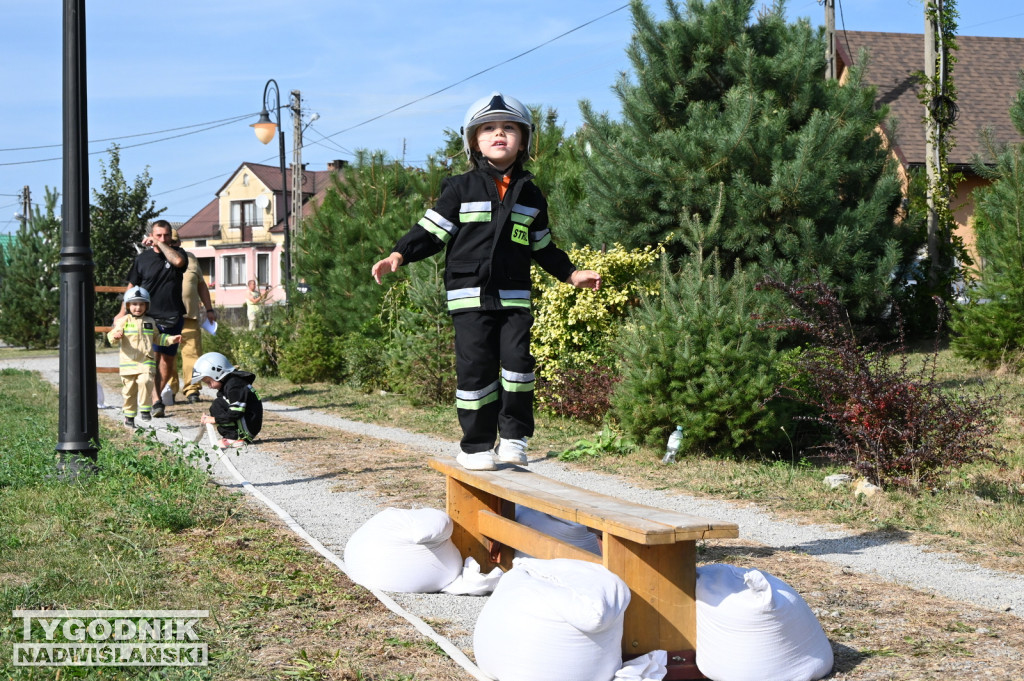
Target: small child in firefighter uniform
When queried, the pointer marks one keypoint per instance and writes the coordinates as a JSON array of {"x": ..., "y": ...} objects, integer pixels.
[
  {"x": 237, "y": 411},
  {"x": 491, "y": 221},
  {"x": 136, "y": 334}
]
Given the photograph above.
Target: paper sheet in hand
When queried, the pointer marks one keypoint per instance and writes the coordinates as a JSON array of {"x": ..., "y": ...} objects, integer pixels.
[{"x": 209, "y": 327}]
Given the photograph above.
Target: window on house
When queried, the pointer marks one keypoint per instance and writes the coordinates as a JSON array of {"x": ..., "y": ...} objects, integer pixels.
[
  {"x": 234, "y": 270},
  {"x": 206, "y": 266},
  {"x": 244, "y": 214},
  {"x": 200, "y": 243},
  {"x": 263, "y": 268}
]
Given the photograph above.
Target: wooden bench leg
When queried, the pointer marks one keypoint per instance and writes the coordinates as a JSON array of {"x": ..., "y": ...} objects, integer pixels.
[
  {"x": 662, "y": 614},
  {"x": 464, "y": 502}
]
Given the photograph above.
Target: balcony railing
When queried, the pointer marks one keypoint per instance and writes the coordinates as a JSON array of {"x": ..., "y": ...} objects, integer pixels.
[
  {"x": 236, "y": 224},
  {"x": 241, "y": 232}
]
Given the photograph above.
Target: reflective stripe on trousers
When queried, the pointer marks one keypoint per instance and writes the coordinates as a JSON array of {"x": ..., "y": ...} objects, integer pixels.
[{"x": 495, "y": 376}]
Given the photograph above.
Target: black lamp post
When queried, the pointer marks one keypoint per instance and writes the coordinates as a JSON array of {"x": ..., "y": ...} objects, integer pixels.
[
  {"x": 264, "y": 129},
  {"x": 78, "y": 420}
]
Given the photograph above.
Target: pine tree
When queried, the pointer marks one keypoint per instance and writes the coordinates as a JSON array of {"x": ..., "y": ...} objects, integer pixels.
[
  {"x": 30, "y": 280},
  {"x": 362, "y": 215},
  {"x": 715, "y": 99},
  {"x": 988, "y": 327},
  {"x": 421, "y": 350},
  {"x": 120, "y": 215},
  {"x": 693, "y": 356}
]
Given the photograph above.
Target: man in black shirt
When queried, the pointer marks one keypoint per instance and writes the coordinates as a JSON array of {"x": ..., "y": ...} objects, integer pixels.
[{"x": 159, "y": 269}]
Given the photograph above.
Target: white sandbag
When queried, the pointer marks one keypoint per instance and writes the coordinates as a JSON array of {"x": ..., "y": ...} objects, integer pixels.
[
  {"x": 650, "y": 667},
  {"x": 573, "y": 533},
  {"x": 752, "y": 626},
  {"x": 472, "y": 581},
  {"x": 552, "y": 620},
  {"x": 406, "y": 550}
]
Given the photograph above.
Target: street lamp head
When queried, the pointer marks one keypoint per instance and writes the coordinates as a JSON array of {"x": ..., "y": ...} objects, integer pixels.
[{"x": 264, "y": 127}]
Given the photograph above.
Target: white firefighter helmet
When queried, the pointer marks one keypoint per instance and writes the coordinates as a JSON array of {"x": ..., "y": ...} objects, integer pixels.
[
  {"x": 136, "y": 294},
  {"x": 495, "y": 107},
  {"x": 213, "y": 365}
]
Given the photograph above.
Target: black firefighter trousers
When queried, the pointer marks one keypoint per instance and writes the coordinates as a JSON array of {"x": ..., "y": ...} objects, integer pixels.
[{"x": 494, "y": 369}]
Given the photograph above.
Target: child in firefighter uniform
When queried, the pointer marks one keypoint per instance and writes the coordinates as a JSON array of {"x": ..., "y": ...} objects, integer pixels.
[
  {"x": 237, "y": 411},
  {"x": 136, "y": 334},
  {"x": 491, "y": 221}
]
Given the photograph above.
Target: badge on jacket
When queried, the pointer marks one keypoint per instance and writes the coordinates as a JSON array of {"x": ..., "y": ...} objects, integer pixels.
[{"x": 520, "y": 235}]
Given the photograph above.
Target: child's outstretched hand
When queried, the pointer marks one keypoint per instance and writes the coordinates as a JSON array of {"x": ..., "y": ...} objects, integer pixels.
[
  {"x": 206, "y": 418},
  {"x": 386, "y": 266},
  {"x": 585, "y": 279},
  {"x": 116, "y": 334},
  {"x": 173, "y": 340}
]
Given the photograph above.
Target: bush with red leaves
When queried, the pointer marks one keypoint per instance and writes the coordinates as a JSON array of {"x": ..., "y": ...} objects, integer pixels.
[
  {"x": 896, "y": 427},
  {"x": 580, "y": 393}
]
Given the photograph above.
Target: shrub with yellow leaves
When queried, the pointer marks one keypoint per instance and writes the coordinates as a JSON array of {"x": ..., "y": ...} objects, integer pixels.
[{"x": 575, "y": 329}]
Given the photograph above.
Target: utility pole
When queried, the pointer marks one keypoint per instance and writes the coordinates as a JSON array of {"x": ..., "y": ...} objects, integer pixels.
[
  {"x": 830, "y": 36},
  {"x": 26, "y": 204},
  {"x": 931, "y": 133},
  {"x": 296, "y": 106}
]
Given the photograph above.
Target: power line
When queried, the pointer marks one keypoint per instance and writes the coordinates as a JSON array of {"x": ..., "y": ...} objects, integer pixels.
[
  {"x": 992, "y": 21},
  {"x": 846, "y": 38},
  {"x": 478, "y": 73},
  {"x": 324, "y": 138},
  {"x": 327, "y": 138},
  {"x": 141, "y": 134},
  {"x": 226, "y": 121},
  {"x": 333, "y": 144}
]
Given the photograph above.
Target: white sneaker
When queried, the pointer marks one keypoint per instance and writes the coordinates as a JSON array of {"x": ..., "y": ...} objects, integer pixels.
[
  {"x": 479, "y": 461},
  {"x": 167, "y": 396},
  {"x": 513, "y": 451}
]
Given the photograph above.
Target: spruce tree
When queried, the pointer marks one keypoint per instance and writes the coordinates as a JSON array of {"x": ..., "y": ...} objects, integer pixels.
[
  {"x": 716, "y": 99},
  {"x": 988, "y": 327},
  {"x": 30, "y": 280},
  {"x": 119, "y": 215}
]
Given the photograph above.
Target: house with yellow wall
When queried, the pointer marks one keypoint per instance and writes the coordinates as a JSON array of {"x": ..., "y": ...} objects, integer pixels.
[{"x": 239, "y": 235}]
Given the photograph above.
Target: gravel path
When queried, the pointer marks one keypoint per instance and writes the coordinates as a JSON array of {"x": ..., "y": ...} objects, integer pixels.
[{"x": 331, "y": 516}]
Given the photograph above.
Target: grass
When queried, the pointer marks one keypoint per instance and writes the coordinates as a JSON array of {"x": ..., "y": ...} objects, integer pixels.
[
  {"x": 149, "y": 531},
  {"x": 977, "y": 512},
  {"x": 11, "y": 353}
]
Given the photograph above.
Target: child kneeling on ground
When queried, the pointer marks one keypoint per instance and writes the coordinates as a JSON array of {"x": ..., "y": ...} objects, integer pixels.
[{"x": 237, "y": 411}]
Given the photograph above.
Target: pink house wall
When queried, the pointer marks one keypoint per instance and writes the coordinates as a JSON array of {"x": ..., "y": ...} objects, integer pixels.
[{"x": 234, "y": 295}]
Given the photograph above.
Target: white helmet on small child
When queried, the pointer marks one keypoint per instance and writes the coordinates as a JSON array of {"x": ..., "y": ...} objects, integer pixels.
[
  {"x": 213, "y": 365},
  {"x": 136, "y": 294},
  {"x": 495, "y": 107}
]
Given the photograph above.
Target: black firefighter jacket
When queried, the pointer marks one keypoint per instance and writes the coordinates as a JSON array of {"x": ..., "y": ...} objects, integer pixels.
[{"x": 489, "y": 242}]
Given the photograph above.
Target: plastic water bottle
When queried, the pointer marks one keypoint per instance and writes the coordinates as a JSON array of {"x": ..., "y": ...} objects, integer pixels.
[{"x": 674, "y": 440}]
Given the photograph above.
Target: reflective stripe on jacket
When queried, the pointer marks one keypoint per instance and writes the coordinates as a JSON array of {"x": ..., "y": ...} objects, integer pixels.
[{"x": 489, "y": 243}]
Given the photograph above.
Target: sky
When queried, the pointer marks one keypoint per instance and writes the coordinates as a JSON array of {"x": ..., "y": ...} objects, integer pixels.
[{"x": 178, "y": 84}]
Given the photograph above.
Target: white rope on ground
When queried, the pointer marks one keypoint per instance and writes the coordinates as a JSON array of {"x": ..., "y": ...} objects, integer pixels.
[{"x": 445, "y": 644}]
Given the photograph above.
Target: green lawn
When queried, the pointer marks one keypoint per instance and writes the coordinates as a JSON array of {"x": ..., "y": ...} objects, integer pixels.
[{"x": 149, "y": 531}]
